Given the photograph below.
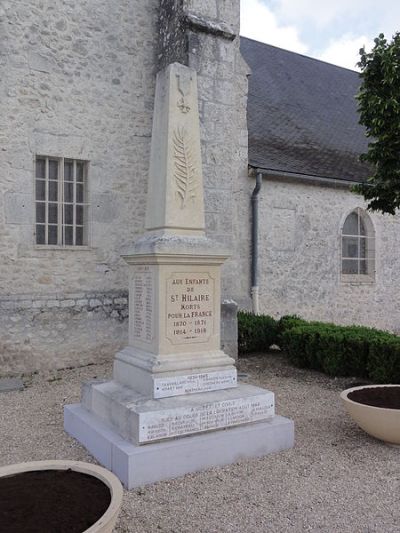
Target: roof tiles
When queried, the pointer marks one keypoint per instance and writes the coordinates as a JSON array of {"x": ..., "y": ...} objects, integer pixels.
[{"x": 302, "y": 115}]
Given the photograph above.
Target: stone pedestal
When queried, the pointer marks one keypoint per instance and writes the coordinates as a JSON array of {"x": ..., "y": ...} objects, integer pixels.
[
  {"x": 174, "y": 334},
  {"x": 136, "y": 466},
  {"x": 140, "y": 419},
  {"x": 174, "y": 394}
]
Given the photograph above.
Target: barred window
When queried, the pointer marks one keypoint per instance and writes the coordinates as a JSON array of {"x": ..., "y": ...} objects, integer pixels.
[
  {"x": 358, "y": 245},
  {"x": 61, "y": 201}
]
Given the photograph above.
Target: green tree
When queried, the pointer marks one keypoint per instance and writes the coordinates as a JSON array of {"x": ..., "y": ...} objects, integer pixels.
[{"x": 379, "y": 108}]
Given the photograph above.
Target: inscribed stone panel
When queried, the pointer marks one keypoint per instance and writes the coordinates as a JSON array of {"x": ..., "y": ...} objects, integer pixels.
[{"x": 190, "y": 307}]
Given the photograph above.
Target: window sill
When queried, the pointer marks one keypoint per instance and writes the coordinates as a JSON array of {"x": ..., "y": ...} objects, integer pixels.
[
  {"x": 358, "y": 279},
  {"x": 54, "y": 248}
]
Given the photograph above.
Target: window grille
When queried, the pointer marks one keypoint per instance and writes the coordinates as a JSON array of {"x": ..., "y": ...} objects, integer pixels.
[
  {"x": 61, "y": 202},
  {"x": 358, "y": 245}
]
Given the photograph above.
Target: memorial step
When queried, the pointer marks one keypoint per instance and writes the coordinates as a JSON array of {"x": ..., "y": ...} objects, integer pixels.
[
  {"x": 141, "y": 420},
  {"x": 140, "y": 465},
  {"x": 192, "y": 379}
]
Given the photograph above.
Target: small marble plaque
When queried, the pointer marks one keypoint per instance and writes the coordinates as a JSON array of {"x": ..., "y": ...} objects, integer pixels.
[
  {"x": 180, "y": 421},
  {"x": 190, "y": 307},
  {"x": 193, "y": 383}
]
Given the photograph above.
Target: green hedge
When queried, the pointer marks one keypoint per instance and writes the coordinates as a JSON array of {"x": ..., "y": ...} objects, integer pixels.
[
  {"x": 383, "y": 364},
  {"x": 256, "y": 332},
  {"x": 335, "y": 350},
  {"x": 344, "y": 350}
]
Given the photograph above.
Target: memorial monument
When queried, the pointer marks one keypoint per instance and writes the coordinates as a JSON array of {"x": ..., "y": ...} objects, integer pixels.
[{"x": 174, "y": 404}]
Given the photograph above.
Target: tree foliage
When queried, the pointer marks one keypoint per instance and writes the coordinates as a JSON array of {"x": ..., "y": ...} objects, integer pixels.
[{"x": 379, "y": 108}]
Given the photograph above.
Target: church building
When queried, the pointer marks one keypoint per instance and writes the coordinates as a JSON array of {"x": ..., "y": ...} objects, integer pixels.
[{"x": 322, "y": 255}]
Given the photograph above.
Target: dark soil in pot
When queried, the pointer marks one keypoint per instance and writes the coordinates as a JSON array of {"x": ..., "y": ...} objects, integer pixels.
[
  {"x": 51, "y": 501},
  {"x": 386, "y": 397}
]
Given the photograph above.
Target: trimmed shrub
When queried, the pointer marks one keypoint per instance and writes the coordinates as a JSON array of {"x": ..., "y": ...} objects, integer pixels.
[
  {"x": 335, "y": 350},
  {"x": 344, "y": 350},
  {"x": 288, "y": 322},
  {"x": 256, "y": 332},
  {"x": 384, "y": 360}
]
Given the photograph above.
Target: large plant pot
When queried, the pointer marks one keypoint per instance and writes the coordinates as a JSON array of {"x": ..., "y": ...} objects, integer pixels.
[
  {"x": 105, "y": 523},
  {"x": 382, "y": 423}
]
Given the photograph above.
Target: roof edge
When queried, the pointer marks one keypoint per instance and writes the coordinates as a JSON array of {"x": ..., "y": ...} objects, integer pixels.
[
  {"x": 307, "y": 178},
  {"x": 298, "y": 54}
]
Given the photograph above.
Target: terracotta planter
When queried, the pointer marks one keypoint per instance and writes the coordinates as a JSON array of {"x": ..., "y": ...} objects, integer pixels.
[
  {"x": 107, "y": 521},
  {"x": 382, "y": 423}
]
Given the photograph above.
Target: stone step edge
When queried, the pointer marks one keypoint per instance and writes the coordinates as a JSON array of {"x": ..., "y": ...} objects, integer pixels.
[
  {"x": 160, "y": 420},
  {"x": 141, "y": 465}
]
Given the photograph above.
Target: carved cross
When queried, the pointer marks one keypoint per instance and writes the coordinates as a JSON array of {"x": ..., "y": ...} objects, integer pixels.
[{"x": 184, "y": 88}]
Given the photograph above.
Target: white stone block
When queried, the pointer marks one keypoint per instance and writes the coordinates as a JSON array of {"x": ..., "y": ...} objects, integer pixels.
[
  {"x": 99, "y": 443},
  {"x": 178, "y": 374},
  {"x": 67, "y": 303},
  {"x": 141, "y": 420},
  {"x": 136, "y": 466}
]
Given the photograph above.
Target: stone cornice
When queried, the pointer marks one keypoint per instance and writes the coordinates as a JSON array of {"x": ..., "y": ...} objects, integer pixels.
[{"x": 212, "y": 27}]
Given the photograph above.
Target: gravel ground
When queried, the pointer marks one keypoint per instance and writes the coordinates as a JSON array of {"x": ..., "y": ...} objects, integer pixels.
[{"x": 335, "y": 479}]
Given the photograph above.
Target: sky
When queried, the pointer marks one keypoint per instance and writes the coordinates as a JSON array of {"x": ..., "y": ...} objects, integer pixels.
[{"x": 331, "y": 30}]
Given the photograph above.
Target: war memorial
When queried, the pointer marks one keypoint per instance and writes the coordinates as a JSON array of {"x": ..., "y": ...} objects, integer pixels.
[{"x": 174, "y": 404}]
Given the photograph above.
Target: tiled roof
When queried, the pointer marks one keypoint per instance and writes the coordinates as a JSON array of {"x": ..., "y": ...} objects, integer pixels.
[{"x": 302, "y": 115}]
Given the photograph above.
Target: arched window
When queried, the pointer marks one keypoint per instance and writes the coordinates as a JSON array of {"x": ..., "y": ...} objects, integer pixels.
[{"x": 358, "y": 245}]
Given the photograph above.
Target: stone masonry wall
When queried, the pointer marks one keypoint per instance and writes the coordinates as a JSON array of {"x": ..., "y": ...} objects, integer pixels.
[
  {"x": 300, "y": 257},
  {"x": 77, "y": 80},
  {"x": 41, "y": 332}
]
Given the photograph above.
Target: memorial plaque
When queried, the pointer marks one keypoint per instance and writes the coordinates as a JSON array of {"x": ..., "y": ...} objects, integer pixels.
[
  {"x": 193, "y": 383},
  {"x": 143, "y": 306},
  {"x": 194, "y": 419},
  {"x": 190, "y": 307}
]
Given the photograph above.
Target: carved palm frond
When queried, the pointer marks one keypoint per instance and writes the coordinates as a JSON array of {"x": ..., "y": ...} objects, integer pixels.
[{"x": 185, "y": 169}]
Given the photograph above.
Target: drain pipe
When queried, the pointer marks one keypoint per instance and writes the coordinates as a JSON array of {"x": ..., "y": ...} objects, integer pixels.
[{"x": 254, "y": 245}]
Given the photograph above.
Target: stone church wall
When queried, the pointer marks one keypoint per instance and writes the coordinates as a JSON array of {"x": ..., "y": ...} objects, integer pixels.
[
  {"x": 77, "y": 80},
  {"x": 300, "y": 257}
]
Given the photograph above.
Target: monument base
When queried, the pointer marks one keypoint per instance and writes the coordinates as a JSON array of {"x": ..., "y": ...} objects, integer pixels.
[
  {"x": 141, "y": 420},
  {"x": 173, "y": 375},
  {"x": 140, "y": 465}
]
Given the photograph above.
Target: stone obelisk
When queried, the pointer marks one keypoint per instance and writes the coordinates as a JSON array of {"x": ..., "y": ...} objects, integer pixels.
[
  {"x": 174, "y": 335},
  {"x": 173, "y": 380}
]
